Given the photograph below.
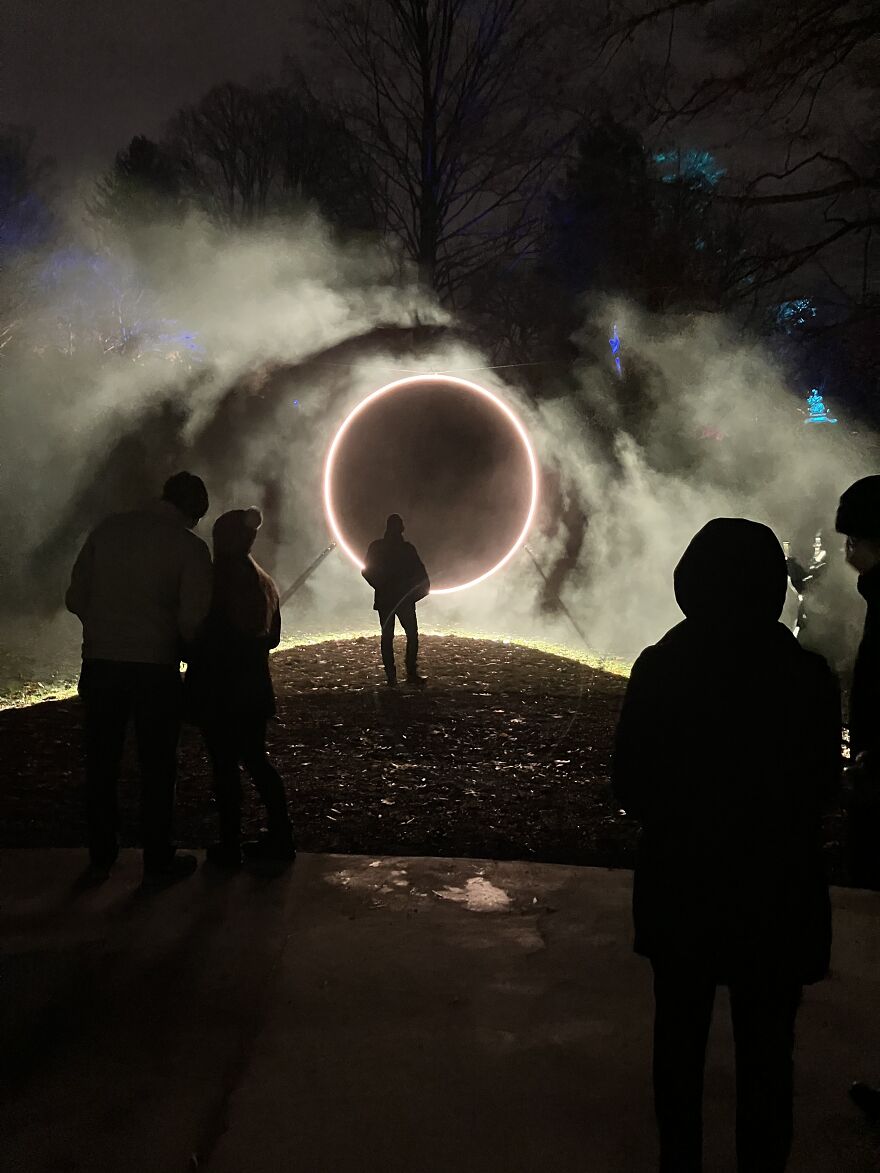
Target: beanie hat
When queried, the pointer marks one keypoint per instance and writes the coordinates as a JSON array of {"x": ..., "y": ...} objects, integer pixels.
[
  {"x": 858, "y": 514},
  {"x": 234, "y": 532}
]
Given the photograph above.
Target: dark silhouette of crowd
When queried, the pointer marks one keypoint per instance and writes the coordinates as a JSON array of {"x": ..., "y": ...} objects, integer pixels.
[{"x": 728, "y": 751}]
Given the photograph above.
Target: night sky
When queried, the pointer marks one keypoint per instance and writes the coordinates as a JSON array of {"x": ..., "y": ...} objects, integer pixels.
[{"x": 87, "y": 75}]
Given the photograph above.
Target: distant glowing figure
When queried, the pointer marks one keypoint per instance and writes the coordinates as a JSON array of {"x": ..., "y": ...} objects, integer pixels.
[
  {"x": 614, "y": 343},
  {"x": 817, "y": 411}
]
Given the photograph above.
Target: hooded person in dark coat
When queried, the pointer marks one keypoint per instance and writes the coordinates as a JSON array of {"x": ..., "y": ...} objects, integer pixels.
[
  {"x": 396, "y": 573},
  {"x": 858, "y": 517},
  {"x": 230, "y": 691},
  {"x": 728, "y": 748}
]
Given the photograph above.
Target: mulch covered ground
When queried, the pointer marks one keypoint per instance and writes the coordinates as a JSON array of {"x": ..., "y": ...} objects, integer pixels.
[{"x": 506, "y": 754}]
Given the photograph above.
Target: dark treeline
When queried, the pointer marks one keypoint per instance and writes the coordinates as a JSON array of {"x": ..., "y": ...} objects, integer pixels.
[{"x": 524, "y": 167}]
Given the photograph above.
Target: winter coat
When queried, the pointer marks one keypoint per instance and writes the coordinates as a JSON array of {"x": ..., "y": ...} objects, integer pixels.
[
  {"x": 864, "y": 718},
  {"x": 141, "y": 586},
  {"x": 727, "y": 751},
  {"x": 396, "y": 573},
  {"x": 228, "y": 670}
]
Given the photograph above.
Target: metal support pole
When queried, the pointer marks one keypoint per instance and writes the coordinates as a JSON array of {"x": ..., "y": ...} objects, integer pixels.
[
  {"x": 563, "y": 608},
  {"x": 307, "y": 574}
]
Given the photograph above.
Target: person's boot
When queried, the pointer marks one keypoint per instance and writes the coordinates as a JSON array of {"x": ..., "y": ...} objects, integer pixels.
[
  {"x": 178, "y": 866},
  {"x": 867, "y": 1098},
  {"x": 415, "y": 680},
  {"x": 224, "y": 855},
  {"x": 98, "y": 869},
  {"x": 271, "y": 847},
  {"x": 391, "y": 677}
]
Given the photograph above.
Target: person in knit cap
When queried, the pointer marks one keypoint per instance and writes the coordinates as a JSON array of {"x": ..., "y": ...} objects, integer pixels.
[
  {"x": 727, "y": 751},
  {"x": 858, "y": 518},
  {"x": 230, "y": 692},
  {"x": 398, "y": 577}
]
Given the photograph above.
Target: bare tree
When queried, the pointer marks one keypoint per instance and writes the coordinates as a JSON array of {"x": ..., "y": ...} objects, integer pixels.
[
  {"x": 27, "y": 227},
  {"x": 455, "y": 147},
  {"x": 227, "y": 146},
  {"x": 244, "y": 153},
  {"x": 798, "y": 80}
]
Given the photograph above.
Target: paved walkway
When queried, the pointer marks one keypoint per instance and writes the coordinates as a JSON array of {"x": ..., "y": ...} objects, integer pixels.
[{"x": 393, "y": 1015}]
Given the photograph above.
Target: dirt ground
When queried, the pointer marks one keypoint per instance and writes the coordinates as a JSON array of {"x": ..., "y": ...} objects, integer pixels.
[{"x": 505, "y": 755}]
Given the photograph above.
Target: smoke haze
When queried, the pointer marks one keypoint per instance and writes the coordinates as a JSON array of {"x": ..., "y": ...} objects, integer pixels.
[{"x": 236, "y": 356}]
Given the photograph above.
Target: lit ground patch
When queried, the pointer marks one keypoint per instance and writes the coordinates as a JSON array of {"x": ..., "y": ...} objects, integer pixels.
[{"x": 505, "y": 755}]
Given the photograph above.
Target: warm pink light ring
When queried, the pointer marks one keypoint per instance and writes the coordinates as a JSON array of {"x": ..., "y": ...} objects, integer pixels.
[{"x": 451, "y": 381}]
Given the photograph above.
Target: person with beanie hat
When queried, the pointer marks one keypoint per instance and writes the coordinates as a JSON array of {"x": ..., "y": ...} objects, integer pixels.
[
  {"x": 230, "y": 694},
  {"x": 858, "y": 518},
  {"x": 141, "y": 587},
  {"x": 398, "y": 577},
  {"x": 727, "y": 751}
]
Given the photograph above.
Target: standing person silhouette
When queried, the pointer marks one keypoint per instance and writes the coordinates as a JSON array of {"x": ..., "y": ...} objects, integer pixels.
[
  {"x": 230, "y": 694},
  {"x": 141, "y": 587},
  {"x": 858, "y": 518},
  {"x": 728, "y": 748},
  {"x": 397, "y": 575}
]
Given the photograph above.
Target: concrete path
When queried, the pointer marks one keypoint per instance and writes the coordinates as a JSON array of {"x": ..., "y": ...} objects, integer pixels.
[{"x": 367, "y": 1015}]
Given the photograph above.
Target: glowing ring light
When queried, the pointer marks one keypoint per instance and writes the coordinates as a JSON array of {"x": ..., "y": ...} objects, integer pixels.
[{"x": 450, "y": 381}]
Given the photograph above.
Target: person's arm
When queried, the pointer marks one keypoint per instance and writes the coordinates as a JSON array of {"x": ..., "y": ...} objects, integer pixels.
[
  {"x": 636, "y": 737},
  {"x": 419, "y": 575},
  {"x": 275, "y": 629},
  {"x": 827, "y": 727},
  {"x": 371, "y": 571},
  {"x": 864, "y": 703},
  {"x": 80, "y": 589},
  {"x": 196, "y": 585}
]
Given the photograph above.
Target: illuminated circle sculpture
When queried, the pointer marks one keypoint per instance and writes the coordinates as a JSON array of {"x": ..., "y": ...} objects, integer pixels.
[{"x": 461, "y": 385}]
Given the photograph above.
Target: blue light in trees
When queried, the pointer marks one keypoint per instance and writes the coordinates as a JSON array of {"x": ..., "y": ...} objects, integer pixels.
[
  {"x": 614, "y": 343},
  {"x": 795, "y": 313},
  {"x": 816, "y": 409},
  {"x": 695, "y": 168},
  {"x": 177, "y": 339}
]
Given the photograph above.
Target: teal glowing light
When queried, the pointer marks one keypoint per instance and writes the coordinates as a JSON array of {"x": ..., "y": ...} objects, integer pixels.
[
  {"x": 817, "y": 413},
  {"x": 697, "y": 169},
  {"x": 795, "y": 313}
]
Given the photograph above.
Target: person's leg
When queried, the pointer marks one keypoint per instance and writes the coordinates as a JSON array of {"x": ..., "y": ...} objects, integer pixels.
[
  {"x": 407, "y": 616},
  {"x": 683, "y": 1014},
  {"x": 157, "y": 713},
  {"x": 266, "y": 778},
  {"x": 763, "y": 1030},
  {"x": 107, "y": 697},
  {"x": 386, "y": 621},
  {"x": 222, "y": 741}
]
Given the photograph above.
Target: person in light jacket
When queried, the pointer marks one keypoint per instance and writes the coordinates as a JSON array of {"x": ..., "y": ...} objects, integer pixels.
[{"x": 141, "y": 587}]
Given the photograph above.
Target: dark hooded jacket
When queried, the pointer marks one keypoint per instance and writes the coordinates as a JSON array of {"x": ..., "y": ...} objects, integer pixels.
[
  {"x": 864, "y": 706},
  {"x": 228, "y": 670},
  {"x": 396, "y": 573},
  {"x": 727, "y": 750}
]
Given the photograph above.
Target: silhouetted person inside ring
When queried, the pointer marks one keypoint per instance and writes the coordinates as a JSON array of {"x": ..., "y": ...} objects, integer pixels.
[
  {"x": 397, "y": 575},
  {"x": 727, "y": 751},
  {"x": 141, "y": 587},
  {"x": 230, "y": 694}
]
